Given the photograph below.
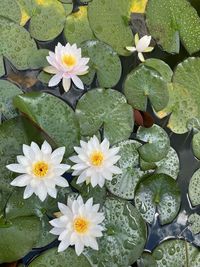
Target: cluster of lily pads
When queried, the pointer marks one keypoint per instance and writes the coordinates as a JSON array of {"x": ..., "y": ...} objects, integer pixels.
[{"x": 89, "y": 168}]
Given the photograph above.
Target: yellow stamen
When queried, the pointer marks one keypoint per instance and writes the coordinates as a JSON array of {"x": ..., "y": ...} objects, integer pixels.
[
  {"x": 40, "y": 169},
  {"x": 81, "y": 225},
  {"x": 97, "y": 158},
  {"x": 69, "y": 60}
]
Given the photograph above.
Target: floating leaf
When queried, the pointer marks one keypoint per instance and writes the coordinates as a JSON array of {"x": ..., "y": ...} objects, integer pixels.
[
  {"x": 123, "y": 185},
  {"x": 38, "y": 59},
  {"x": 107, "y": 108},
  {"x": 143, "y": 83},
  {"x": 7, "y": 92},
  {"x": 77, "y": 28},
  {"x": 176, "y": 253},
  {"x": 18, "y": 237},
  {"x": 104, "y": 61},
  {"x": 172, "y": 21},
  {"x": 68, "y": 8},
  {"x": 147, "y": 260},
  {"x": 16, "y": 43},
  {"x": 11, "y": 10},
  {"x": 44, "y": 77},
  {"x": 161, "y": 67},
  {"x": 194, "y": 188},
  {"x": 2, "y": 70},
  {"x": 160, "y": 193},
  {"x": 103, "y": 23},
  {"x": 194, "y": 222},
  {"x": 53, "y": 116},
  {"x": 157, "y": 143},
  {"x": 196, "y": 145},
  {"x": 51, "y": 257},
  {"x": 125, "y": 236}
]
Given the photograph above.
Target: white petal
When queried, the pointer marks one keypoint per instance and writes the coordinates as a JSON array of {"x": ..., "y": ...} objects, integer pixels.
[
  {"x": 28, "y": 192},
  {"x": 63, "y": 245},
  {"x": 66, "y": 84},
  {"x": 57, "y": 223},
  {"x": 28, "y": 152},
  {"x": 23, "y": 160},
  {"x": 52, "y": 192},
  {"x": 46, "y": 148},
  {"x": 56, "y": 231},
  {"x": 143, "y": 43},
  {"x": 41, "y": 192},
  {"x": 64, "y": 209},
  {"x": 60, "y": 169},
  {"x": 93, "y": 243},
  {"x": 57, "y": 155},
  {"x": 18, "y": 168},
  {"x": 131, "y": 48},
  {"x": 141, "y": 57},
  {"x": 60, "y": 181},
  {"x": 55, "y": 80},
  {"x": 149, "y": 49},
  {"x": 79, "y": 247},
  {"x": 50, "y": 69},
  {"x": 21, "y": 180},
  {"x": 77, "y": 81}
]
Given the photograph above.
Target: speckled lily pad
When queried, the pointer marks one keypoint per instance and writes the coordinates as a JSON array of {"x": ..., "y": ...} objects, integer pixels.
[
  {"x": 107, "y": 108},
  {"x": 11, "y": 10},
  {"x": 2, "y": 70},
  {"x": 194, "y": 188},
  {"x": 104, "y": 61},
  {"x": 196, "y": 145},
  {"x": 194, "y": 223},
  {"x": 146, "y": 83},
  {"x": 147, "y": 260},
  {"x": 172, "y": 21},
  {"x": 160, "y": 193},
  {"x": 38, "y": 59},
  {"x": 157, "y": 143}
]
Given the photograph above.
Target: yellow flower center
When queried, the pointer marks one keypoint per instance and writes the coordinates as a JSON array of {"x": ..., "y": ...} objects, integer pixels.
[
  {"x": 40, "y": 169},
  {"x": 81, "y": 225},
  {"x": 97, "y": 158},
  {"x": 69, "y": 60}
]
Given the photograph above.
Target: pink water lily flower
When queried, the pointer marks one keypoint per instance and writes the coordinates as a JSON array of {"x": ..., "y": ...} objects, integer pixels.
[
  {"x": 141, "y": 46},
  {"x": 67, "y": 64}
]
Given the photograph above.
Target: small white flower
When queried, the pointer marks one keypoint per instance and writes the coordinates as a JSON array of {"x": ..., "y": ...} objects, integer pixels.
[
  {"x": 95, "y": 162},
  {"x": 141, "y": 46},
  {"x": 67, "y": 64},
  {"x": 41, "y": 170},
  {"x": 78, "y": 225}
]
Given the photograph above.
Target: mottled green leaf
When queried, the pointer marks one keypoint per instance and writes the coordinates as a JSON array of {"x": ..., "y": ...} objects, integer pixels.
[
  {"x": 11, "y": 10},
  {"x": 38, "y": 59},
  {"x": 194, "y": 188},
  {"x": 196, "y": 145},
  {"x": 2, "y": 70},
  {"x": 194, "y": 223}
]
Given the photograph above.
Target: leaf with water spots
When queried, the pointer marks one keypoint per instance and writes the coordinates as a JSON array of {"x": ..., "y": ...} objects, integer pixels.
[
  {"x": 147, "y": 260},
  {"x": 194, "y": 188},
  {"x": 160, "y": 193},
  {"x": 194, "y": 223},
  {"x": 172, "y": 21},
  {"x": 10, "y": 10}
]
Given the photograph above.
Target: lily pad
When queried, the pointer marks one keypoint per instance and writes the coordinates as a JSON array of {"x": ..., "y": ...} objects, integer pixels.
[
  {"x": 44, "y": 77},
  {"x": 77, "y": 28},
  {"x": 157, "y": 143},
  {"x": 53, "y": 116},
  {"x": 7, "y": 91},
  {"x": 176, "y": 253},
  {"x": 107, "y": 108},
  {"x": 160, "y": 66},
  {"x": 196, "y": 145},
  {"x": 194, "y": 188},
  {"x": 38, "y": 59},
  {"x": 104, "y": 61},
  {"x": 2, "y": 70},
  {"x": 125, "y": 236},
  {"x": 123, "y": 185},
  {"x": 172, "y": 21},
  {"x": 143, "y": 83},
  {"x": 16, "y": 44},
  {"x": 160, "y": 193},
  {"x": 103, "y": 24},
  {"x": 51, "y": 257},
  {"x": 11, "y": 10},
  {"x": 194, "y": 223},
  {"x": 18, "y": 237},
  {"x": 147, "y": 260}
]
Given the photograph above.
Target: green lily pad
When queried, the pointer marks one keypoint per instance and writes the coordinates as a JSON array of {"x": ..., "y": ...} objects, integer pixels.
[
  {"x": 16, "y": 44},
  {"x": 123, "y": 185},
  {"x": 38, "y": 59},
  {"x": 7, "y": 92},
  {"x": 19, "y": 237},
  {"x": 146, "y": 260},
  {"x": 44, "y": 77},
  {"x": 157, "y": 143},
  {"x": 2, "y": 70},
  {"x": 68, "y": 8},
  {"x": 176, "y": 253},
  {"x": 13, "y": 134},
  {"x": 77, "y": 28},
  {"x": 194, "y": 188},
  {"x": 194, "y": 222},
  {"x": 107, "y": 108},
  {"x": 125, "y": 236},
  {"x": 196, "y": 145},
  {"x": 51, "y": 257},
  {"x": 103, "y": 24},
  {"x": 53, "y": 116},
  {"x": 143, "y": 83},
  {"x": 161, "y": 67},
  {"x": 104, "y": 61},
  {"x": 11, "y": 10},
  {"x": 47, "y": 18},
  {"x": 160, "y": 193},
  {"x": 172, "y": 21}
]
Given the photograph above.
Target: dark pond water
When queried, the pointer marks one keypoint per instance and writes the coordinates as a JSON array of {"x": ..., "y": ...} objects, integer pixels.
[{"x": 181, "y": 143}]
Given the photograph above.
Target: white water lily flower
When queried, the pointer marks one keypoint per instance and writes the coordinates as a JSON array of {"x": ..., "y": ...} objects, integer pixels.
[
  {"x": 41, "y": 170},
  {"x": 95, "y": 162},
  {"x": 78, "y": 225},
  {"x": 141, "y": 46},
  {"x": 67, "y": 64}
]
